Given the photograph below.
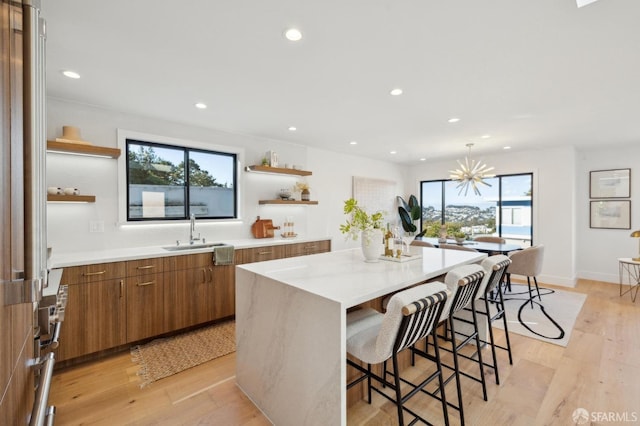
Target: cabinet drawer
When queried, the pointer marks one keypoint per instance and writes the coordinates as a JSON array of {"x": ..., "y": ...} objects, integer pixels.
[
  {"x": 92, "y": 273},
  {"x": 194, "y": 261},
  {"x": 145, "y": 266},
  {"x": 311, "y": 247},
  {"x": 260, "y": 254}
]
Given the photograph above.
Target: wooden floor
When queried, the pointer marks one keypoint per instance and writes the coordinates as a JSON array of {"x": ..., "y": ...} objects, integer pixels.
[{"x": 597, "y": 371}]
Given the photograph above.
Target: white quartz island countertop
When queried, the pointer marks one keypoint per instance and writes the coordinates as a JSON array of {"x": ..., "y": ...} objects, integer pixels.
[
  {"x": 61, "y": 260},
  {"x": 291, "y": 325}
]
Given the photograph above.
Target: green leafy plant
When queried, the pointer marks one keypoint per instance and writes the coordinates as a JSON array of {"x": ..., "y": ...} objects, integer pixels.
[
  {"x": 359, "y": 219},
  {"x": 409, "y": 213}
]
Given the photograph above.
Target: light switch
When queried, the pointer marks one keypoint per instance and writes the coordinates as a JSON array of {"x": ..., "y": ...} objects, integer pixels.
[{"x": 96, "y": 226}]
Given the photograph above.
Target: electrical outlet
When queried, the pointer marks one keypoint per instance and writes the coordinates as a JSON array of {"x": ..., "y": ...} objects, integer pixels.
[{"x": 96, "y": 226}]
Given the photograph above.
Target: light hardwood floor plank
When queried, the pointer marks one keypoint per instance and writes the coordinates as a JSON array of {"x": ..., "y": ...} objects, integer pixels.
[{"x": 598, "y": 371}]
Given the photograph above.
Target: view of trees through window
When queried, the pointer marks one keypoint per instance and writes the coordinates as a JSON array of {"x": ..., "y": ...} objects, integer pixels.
[
  {"x": 159, "y": 186},
  {"x": 503, "y": 209}
]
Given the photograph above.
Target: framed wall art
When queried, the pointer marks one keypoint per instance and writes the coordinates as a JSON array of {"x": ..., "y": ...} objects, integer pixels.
[
  {"x": 610, "y": 183},
  {"x": 610, "y": 214}
]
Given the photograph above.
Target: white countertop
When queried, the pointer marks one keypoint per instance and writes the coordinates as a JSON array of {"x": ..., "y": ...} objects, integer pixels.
[
  {"x": 343, "y": 276},
  {"x": 62, "y": 260}
]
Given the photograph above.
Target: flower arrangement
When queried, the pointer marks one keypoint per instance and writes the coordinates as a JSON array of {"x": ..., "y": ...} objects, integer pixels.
[
  {"x": 301, "y": 186},
  {"x": 360, "y": 220}
]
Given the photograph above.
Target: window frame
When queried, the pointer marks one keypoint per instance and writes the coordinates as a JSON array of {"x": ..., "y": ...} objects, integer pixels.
[
  {"x": 126, "y": 136},
  {"x": 500, "y": 200}
]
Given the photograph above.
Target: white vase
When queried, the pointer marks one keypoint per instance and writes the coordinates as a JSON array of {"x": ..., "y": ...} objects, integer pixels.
[{"x": 372, "y": 246}]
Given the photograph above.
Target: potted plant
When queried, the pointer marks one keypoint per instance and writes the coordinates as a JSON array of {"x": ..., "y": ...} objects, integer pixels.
[
  {"x": 366, "y": 226},
  {"x": 409, "y": 213},
  {"x": 459, "y": 236}
]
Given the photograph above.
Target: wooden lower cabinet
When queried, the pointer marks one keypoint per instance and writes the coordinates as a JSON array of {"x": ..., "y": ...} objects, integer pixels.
[
  {"x": 95, "y": 318},
  {"x": 145, "y": 306},
  {"x": 112, "y": 304}
]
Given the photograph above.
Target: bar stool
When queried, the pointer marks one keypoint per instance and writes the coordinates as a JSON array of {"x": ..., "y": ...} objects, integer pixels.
[
  {"x": 464, "y": 283},
  {"x": 495, "y": 268},
  {"x": 527, "y": 262},
  {"x": 375, "y": 338}
]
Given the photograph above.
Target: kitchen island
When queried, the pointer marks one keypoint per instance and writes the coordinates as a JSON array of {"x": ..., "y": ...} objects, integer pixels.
[{"x": 291, "y": 325}]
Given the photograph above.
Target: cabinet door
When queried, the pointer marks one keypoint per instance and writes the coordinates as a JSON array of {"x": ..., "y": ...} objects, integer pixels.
[
  {"x": 223, "y": 292},
  {"x": 185, "y": 297},
  {"x": 145, "y": 306},
  {"x": 94, "y": 318}
]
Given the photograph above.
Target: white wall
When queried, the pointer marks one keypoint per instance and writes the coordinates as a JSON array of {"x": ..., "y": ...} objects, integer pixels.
[
  {"x": 68, "y": 224},
  {"x": 554, "y": 172},
  {"x": 598, "y": 249}
]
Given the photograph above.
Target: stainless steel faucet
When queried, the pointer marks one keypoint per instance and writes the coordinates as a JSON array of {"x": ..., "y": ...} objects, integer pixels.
[{"x": 192, "y": 229}]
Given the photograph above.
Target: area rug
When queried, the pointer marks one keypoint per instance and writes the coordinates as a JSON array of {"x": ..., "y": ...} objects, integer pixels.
[
  {"x": 165, "y": 357},
  {"x": 551, "y": 319}
]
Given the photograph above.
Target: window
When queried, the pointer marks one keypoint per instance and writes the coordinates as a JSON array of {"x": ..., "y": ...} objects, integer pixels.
[
  {"x": 166, "y": 182},
  {"x": 504, "y": 209}
]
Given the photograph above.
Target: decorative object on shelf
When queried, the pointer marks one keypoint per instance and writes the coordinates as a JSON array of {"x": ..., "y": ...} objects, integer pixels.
[
  {"x": 409, "y": 213},
  {"x": 366, "y": 226},
  {"x": 54, "y": 190},
  {"x": 265, "y": 162},
  {"x": 285, "y": 194},
  {"x": 470, "y": 175},
  {"x": 303, "y": 187},
  {"x": 636, "y": 234},
  {"x": 71, "y": 191},
  {"x": 272, "y": 156},
  {"x": 71, "y": 134}
]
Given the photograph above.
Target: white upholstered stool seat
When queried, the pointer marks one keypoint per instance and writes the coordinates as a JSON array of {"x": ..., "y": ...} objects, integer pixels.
[{"x": 374, "y": 338}]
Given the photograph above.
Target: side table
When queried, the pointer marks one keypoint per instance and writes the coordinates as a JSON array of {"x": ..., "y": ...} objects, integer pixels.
[{"x": 629, "y": 275}]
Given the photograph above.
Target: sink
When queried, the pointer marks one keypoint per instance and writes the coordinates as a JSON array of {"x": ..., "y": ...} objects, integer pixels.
[{"x": 192, "y": 246}]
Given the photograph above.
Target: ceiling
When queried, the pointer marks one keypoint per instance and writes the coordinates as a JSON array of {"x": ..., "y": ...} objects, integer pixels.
[{"x": 529, "y": 73}]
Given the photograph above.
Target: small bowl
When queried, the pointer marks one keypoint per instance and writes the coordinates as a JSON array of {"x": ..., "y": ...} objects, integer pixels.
[
  {"x": 460, "y": 240},
  {"x": 285, "y": 194}
]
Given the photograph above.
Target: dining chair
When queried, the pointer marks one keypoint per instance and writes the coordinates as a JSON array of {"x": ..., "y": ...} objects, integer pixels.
[
  {"x": 374, "y": 338},
  {"x": 456, "y": 247},
  {"x": 490, "y": 239},
  {"x": 421, "y": 243},
  {"x": 463, "y": 282},
  {"x": 528, "y": 263}
]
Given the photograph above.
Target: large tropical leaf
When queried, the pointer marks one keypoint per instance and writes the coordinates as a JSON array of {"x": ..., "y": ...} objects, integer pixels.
[{"x": 407, "y": 223}]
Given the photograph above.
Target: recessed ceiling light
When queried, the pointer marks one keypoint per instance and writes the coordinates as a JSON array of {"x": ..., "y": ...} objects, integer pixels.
[
  {"x": 453, "y": 120},
  {"x": 292, "y": 129},
  {"x": 293, "y": 34},
  {"x": 396, "y": 92},
  {"x": 423, "y": 159},
  {"x": 485, "y": 136},
  {"x": 506, "y": 147},
  {"x": 353, "y": 143},
  {"x": 393, "y": 152},
  {"x": 201, "y": 105},
  {"x": 71, "y": 74}
]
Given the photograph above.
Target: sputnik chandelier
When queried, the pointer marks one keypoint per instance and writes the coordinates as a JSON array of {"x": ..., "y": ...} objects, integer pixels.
[{"x": 470, "y": 175}]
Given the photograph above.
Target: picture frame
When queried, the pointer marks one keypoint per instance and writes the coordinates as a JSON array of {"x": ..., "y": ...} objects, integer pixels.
[
  {"x": 610, "y": 214},
  {"x": 615, "y": 183}
]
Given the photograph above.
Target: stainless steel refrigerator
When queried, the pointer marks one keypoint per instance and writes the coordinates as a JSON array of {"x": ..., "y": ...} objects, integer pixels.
[{"x": 23, "y": 257}]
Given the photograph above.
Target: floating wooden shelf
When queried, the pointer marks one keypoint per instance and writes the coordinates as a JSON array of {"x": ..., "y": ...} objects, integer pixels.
[
  {"x": 72, "y": 198},
  {"x": 286, "y": 202},
  {"x": 81, "y": 149},
  {"x": 278, "y": 170}
]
